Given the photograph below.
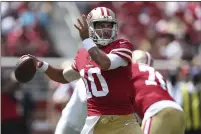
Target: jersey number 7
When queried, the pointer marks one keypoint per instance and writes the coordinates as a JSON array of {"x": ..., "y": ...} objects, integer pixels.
[{"x": 153, "y": 75}]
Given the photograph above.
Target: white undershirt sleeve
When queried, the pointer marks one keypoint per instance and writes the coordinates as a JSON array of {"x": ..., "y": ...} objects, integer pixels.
[{"x": 116, "y": 61}]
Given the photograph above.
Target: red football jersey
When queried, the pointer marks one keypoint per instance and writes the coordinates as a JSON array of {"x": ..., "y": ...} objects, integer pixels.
[
  {"x": 150, "y": 87},
  {"x": 108, "y": 92}
]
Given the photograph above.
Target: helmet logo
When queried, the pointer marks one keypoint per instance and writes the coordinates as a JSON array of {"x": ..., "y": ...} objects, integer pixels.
[{"x": 89, "y": 16}]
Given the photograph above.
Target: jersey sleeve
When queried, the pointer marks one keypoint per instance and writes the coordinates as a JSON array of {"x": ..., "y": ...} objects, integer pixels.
[
  {"x": 74, "y": 65},
  {"x": 124, "y": 49}
]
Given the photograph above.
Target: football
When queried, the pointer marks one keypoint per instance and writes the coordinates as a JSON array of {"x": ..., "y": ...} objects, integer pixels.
[{"x": 25, "y": 69}]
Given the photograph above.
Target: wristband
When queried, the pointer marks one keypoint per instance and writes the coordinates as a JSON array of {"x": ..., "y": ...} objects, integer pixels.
[
  {"x": 44, "y": 66},
  {"x": 88, "y": 43}
]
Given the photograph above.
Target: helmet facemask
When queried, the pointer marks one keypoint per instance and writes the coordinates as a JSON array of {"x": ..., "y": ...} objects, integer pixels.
[{"x": 103, "y": 36}]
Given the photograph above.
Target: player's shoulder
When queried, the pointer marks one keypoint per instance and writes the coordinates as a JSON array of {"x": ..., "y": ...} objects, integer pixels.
[
  {"x": 121, "y": 41},
  {"x": 135, "y": 67},
  {"x": 81, "y": 52},
  {"x": 140, "y": 64}
]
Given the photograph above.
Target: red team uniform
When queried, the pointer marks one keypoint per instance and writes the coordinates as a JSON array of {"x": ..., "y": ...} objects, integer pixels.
[
  {"x": 160, "y": 114},
  {"x": 107, "y": 93},
  {"x": 150, "y": 87}
]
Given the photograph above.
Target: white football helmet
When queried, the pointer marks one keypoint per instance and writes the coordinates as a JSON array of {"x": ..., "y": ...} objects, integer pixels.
[
  {"x": 140, "y": 56},
  {"x": 101, "y": 14}
]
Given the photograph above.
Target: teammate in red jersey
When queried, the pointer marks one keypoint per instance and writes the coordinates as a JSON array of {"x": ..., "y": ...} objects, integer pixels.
[
  {"x": 160, "y": 113},
  {"x": 105, "y": 66}
]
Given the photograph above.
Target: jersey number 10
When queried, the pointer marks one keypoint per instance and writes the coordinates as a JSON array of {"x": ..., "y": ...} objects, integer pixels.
[{"x": 92, "y": 88}]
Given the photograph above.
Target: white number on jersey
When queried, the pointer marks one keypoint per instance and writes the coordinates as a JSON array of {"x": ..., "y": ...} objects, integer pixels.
[
  {"x": 104, "y": 88},
  {"x": 153, "y": 74}
]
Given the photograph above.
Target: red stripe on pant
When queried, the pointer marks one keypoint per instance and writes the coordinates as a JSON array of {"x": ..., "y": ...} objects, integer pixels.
[
  {"x": 147, "y": 126},
  {"x": 144, "y": 125}
]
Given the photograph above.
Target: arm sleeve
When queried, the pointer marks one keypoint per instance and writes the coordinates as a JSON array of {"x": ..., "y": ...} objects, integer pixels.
[
  {"x": 116, "y": 61},
  {"x": 74, "y": 66}
]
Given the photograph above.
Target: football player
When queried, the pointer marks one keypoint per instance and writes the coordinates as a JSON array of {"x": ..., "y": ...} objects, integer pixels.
[
  {"x": 148, "y": 103},
  {"x": 160, "y": 113},
  {"x": 74, "y": 114},
  {"x": 104, "y": 64}
]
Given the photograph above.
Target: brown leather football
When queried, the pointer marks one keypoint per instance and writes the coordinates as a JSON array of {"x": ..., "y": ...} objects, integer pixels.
[{"x": 25, "y": 69}]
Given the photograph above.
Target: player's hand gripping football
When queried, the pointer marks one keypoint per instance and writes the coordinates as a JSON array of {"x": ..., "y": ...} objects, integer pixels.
[
  {"x": 38, "y": 63},
  {"x": 82, "y": 27}
]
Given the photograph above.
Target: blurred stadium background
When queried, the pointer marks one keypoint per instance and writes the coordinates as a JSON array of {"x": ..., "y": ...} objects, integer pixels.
[{"x": 170, "y": 31}]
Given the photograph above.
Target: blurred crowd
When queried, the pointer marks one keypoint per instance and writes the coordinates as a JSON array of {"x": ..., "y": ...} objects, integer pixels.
[
  {"x": 165, "y": 29},
  {"x": 168, "y": 30},
  {"x": 24, "y": 29},
  {"x": 22, "y": 113},
  {"x": 17, "y": 106}
]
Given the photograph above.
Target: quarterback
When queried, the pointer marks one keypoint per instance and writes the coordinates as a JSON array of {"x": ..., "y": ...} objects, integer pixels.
[
  {"x": 153, "y": 103},
  {"x": 104, "y": 64}
]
